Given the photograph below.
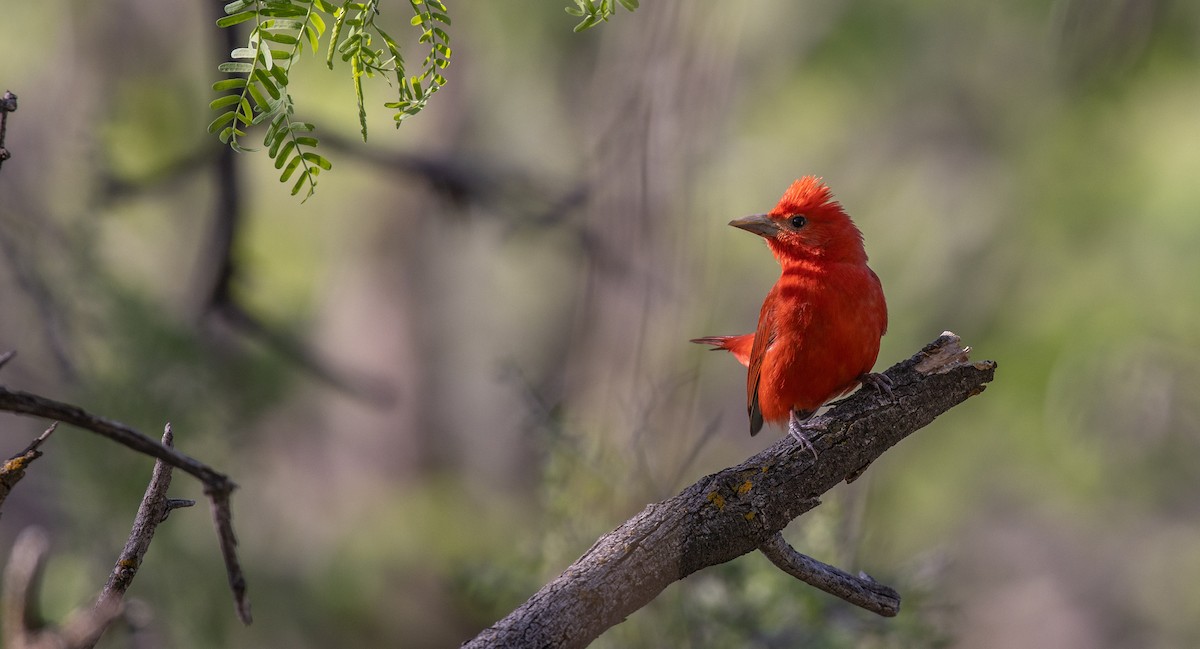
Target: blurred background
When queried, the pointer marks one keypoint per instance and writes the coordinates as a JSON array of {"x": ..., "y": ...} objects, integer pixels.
[{"x": 442, "y": 377}]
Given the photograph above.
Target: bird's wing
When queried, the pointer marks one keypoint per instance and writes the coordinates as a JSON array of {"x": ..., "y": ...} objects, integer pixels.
[
  {"x": 881, "y": 308},
  {"x": 764, "y": 336}
]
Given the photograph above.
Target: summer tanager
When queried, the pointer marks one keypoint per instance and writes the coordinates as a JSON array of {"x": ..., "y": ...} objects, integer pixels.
[{"x": 819, "y": 328}]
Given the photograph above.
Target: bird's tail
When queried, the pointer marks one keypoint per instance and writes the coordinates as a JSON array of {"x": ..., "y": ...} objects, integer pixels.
[{"x": 739, "y": 346}]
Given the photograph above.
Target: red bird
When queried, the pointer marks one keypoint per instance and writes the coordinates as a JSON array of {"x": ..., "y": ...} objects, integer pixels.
[{"x": 819, "y": 328}]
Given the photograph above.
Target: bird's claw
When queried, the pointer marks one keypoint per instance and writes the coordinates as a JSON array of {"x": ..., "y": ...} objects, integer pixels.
[
  {"x": 798, "y": 435},
  {"x": 880, "y": 383}
]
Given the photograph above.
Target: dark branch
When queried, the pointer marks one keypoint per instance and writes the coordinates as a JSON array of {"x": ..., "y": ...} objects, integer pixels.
[
  {"x": 217, "y": 485},
  {"x": 734, "y": 511},
  {"x": 862, "y": 591},
  {"x": 14, "y": 469},
  {"x": 153, "y": 510},
  {"x": 25, "y": 403},
  {"x": 8, "y": 104}
]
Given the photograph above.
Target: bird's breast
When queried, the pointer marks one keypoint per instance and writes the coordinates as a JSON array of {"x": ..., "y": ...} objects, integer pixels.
[{"x": 827, "y": 324}]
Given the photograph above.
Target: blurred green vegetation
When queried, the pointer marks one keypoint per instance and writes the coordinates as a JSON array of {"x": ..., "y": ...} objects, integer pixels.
[{"x": 1025, "y": 175}]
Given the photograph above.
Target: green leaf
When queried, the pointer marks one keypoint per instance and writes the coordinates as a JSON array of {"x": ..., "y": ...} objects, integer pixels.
[
  {"x": 220, "y": 121},
  {"x": 313, "y": 35},
  {"x": 280, "y": 11},
  {"x": 315, "y": 21},
  {"x": 300, "y": 183},
  {"x": 259, "y": 99},
  {"x": 230, "y": 21},
  {"x": 281, "y": 23},
  {"x": 277, "y": 37},
  {"x": 244, "y": 53},
  {"x": 246, "y": 118},
  {"x": 272, "y": 108},
  {"x": 291, "y": 166},
  {"x": 338, "y": 23},
  {"x": 317, "y": 159},
  {"x": 355, "y": 66},
  {"x": 274, "y": 149},
  {"x": 221, "y": 102},
  {"x": 284, "y": 152},
  {"x": 237, "y": 68},
  {"x": 238, "y": 147},
  {"x": 629, "y": 4},
  {"x": 262, "y": 77},
  {"x": 229, "y": 84},
  {"x": 306, "y": 140},
  {"x": 237, "y": 5}
]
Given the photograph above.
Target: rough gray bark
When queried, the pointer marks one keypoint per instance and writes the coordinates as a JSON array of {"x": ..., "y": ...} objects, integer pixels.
[{"x": 734, "y": 511}]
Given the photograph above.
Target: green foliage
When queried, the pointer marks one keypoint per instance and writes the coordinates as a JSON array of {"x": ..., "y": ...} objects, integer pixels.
[
  {"x": 413, "y": 91},
  {"x": 593, "y": 13},
  {"x": 259, "y": 93}
]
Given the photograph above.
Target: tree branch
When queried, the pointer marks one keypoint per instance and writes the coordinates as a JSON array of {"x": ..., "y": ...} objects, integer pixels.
[
  {"x": 14, "y": 469},
  {"x": 734, "y": 511},
  {"x": 862, "y": 591},
  {"x": 153, "y": 510},
  {"x": 217, "y": 486},
  {"x": 8, "y": 104}
]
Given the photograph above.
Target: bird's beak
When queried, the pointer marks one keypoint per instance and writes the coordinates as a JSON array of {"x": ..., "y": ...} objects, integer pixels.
[{"x": 759, "y": 224}]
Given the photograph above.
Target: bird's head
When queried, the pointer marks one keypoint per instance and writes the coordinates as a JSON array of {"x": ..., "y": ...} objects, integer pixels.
[{"x": 807, "y": 224}]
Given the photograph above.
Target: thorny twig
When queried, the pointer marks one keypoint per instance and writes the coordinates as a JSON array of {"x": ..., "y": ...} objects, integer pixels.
[{"x": 217, "y": 486}]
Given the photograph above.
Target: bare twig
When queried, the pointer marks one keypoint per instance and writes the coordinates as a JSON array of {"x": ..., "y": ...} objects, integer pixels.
[
  {"x": 14, "y": 469},
  {"x": 734, "y": 511},
  {"x": 217, "y": 485},
  {"x": 83, "y": 629},
  {"x": 861, "y": 591},
  {"x": 22, "y": 628},
  {"x": 25, "y": 403},
  {"x": 7, "y": 356},
  {"x": 153, "y": 510},
  {"x": 8, "y": 104},
  {"x": 223, "y": 519}
]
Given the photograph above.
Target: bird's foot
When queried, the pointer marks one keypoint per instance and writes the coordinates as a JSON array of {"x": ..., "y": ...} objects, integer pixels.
[
  {"x": 797, "y": 433},
  {"x": 880, "y": 383}
]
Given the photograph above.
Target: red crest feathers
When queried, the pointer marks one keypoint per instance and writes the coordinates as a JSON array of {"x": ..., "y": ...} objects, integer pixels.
[{"x": 807, "y": 194}]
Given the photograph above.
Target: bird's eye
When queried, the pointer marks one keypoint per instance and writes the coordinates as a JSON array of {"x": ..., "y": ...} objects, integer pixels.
[{"x": 798, "y": 221}]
